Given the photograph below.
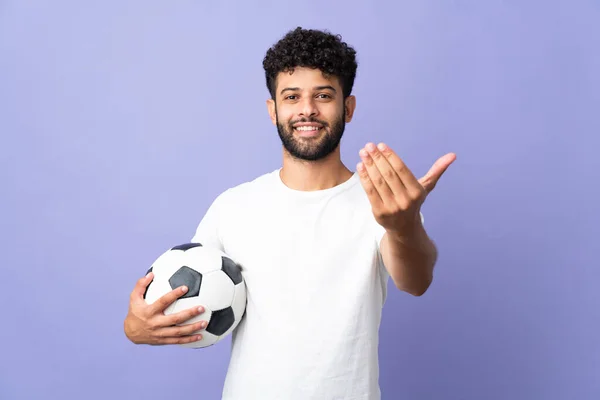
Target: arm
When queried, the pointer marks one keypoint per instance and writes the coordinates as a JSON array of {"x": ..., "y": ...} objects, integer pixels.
[
  {"x": 409, "y": 259},
  {"x": 396, "y": 197}
]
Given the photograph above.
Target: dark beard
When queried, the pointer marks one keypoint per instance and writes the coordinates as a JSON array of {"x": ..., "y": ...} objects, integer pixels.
[{"x": 312, "y": 149}]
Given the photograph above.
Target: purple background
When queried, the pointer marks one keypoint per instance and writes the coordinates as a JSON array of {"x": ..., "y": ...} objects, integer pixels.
[{"x": 121, "y": 121}]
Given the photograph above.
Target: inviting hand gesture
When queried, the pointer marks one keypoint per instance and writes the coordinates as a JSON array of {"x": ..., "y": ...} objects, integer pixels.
[{"x": 395, "y": 194}]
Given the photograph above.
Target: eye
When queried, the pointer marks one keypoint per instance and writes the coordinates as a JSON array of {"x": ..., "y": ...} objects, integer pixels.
[{"x": 324, "y": 96}]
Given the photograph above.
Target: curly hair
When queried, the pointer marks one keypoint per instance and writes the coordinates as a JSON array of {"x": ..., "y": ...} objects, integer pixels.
[{"x": 313, "y": 49}]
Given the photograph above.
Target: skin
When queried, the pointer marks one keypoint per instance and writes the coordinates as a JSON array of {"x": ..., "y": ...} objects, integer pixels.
[
  {"x": 147, "y": 323},
  {"x": 312, "y": 162}
]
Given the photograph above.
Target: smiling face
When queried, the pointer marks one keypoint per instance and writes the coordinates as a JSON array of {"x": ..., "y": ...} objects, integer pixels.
[{"x": 310, "y": 113}]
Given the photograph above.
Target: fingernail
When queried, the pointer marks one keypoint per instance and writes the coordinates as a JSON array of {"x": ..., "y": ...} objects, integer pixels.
[
  {"x": 200, "y": 309},
  {"x": 184, "y": 289},
  {"x": 203, "y": 324},
  {"x": 370, "y": 147},
  {"x": 381, "y": 146}
]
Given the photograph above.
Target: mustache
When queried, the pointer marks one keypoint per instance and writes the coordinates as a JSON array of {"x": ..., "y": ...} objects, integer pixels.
[{"x": 318, "y": 121}]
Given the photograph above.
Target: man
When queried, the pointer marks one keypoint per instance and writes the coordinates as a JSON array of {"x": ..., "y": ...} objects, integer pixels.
[{"x": 317, "y": 243}]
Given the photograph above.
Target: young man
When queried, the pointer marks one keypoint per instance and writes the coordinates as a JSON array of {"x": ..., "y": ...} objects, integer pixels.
[{"x": 316, "y": 241}]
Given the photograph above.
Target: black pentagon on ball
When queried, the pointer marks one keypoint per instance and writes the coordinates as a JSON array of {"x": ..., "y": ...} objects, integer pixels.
[
  {"x": 220, "y": 321},
  {"x": 232, "y": 270},
  {"x": 146, "y": 291},
  {"x": 185, "y": 276},
  {"x": 186, "y": 246}
]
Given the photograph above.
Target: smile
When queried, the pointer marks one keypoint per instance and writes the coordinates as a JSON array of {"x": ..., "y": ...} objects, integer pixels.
[{"x": 308, "y": 130}]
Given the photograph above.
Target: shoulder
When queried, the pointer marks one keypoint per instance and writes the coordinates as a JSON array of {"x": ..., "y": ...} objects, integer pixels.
[{"x": 242, "y": 192}]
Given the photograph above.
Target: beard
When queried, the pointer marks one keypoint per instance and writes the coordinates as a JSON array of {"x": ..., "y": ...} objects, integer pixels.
[{"x": 312, "y": 148}]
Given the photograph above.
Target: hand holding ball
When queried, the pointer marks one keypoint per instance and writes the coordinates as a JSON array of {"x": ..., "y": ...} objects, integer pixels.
[{"x": 214, "y": 285}]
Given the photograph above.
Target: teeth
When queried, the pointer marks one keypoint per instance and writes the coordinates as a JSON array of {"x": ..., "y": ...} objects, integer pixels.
[{"x": 307, "y": 128}]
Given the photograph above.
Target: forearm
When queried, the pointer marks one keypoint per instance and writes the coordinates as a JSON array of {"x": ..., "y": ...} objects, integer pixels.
[{"x": 410, "y": 259}]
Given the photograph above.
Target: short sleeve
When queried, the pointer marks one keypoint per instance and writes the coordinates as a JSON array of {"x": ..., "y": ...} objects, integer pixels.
[{"x": 209, "y": 230}]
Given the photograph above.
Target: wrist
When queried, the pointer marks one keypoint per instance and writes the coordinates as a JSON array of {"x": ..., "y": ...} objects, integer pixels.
[
  {"x": 128, "y": 329},
  {"x": 408, "y": 233}
]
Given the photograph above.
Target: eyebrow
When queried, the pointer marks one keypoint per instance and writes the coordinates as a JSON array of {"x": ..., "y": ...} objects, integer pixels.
[{"x": 315, "y": 88}]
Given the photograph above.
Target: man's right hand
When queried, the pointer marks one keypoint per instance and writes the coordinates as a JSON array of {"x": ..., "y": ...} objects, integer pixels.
[{"x": 147, "y": 324}]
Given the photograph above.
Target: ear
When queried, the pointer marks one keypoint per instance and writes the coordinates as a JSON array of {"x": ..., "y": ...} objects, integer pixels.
[
  {"x": 350, "y": 103},
  {"x": 272, "y": 111}
]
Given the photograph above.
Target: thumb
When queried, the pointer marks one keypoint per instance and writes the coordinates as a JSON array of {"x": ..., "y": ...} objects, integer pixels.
[
  {"x": 431, "y": 178},
  {"x": 140, "y": 287}
]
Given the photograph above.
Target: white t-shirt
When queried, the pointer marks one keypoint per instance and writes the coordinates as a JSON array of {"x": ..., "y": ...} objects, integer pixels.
[{"x": 316, "y": 286}]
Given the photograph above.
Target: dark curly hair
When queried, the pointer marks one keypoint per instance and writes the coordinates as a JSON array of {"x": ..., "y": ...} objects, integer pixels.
[{"x": 313, "y": 49}]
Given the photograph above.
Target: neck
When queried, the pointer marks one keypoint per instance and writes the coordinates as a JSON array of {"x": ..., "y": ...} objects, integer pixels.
[{"x": 314, "y": 175}]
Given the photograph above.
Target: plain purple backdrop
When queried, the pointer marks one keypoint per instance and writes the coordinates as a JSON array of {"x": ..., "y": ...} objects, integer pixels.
[{"x": 121, "y": 121}]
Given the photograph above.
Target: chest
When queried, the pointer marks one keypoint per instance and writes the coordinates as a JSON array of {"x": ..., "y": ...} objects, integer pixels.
[{"x": 307, "y": 245}]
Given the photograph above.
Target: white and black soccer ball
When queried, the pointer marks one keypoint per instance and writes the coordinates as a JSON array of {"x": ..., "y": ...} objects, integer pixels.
[{"x": 214, "y": 282}]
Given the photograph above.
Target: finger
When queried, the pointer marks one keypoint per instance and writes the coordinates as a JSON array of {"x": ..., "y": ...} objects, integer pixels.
[
  {"x": 182, "y": 330},
  {"x": 181, "y": 316},
  {"x": 386, "y": 170},
  {"x": 431, "y": 178},
  {"x": 140, "y": 286},
  {"x": 378, "y": 181},
  {"x": 166, "y": 300},
  {"x": 405, "y": 175},
  {"x": 178, "y": 339},
  {"x": 368, "y": 186}
]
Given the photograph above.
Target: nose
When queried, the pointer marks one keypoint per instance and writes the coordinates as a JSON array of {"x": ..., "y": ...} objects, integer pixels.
[{"x": 308, "y": 107}]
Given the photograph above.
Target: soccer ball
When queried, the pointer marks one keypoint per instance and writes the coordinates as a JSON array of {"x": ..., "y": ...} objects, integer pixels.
[{"x": 214, "y": 282}]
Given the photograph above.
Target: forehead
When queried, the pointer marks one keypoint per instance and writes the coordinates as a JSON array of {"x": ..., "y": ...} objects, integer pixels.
[{"x": 303, "y": 78}]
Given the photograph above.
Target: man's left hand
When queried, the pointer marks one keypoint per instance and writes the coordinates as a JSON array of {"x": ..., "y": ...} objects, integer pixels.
[{"x": 395, "y": 194}]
